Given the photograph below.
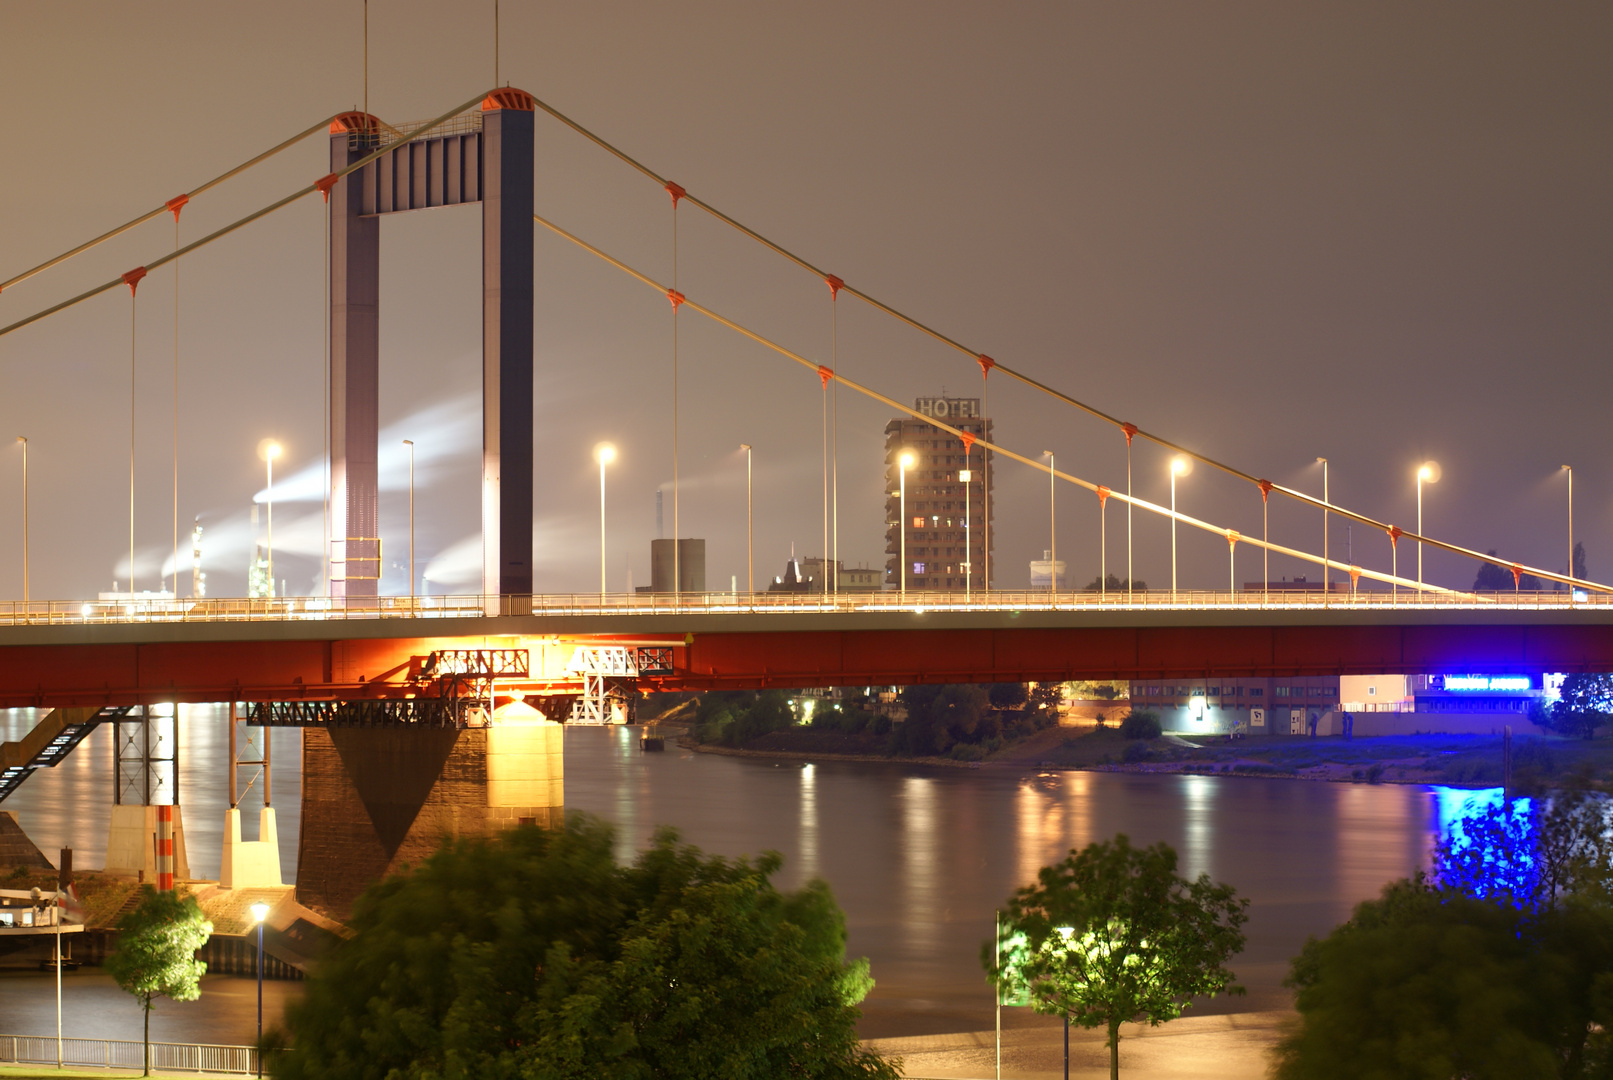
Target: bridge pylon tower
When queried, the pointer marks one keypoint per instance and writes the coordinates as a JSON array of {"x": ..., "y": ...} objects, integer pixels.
[{"x": 486, "y": 157}]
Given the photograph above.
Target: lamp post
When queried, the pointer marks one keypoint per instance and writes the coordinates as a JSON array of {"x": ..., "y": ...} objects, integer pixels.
[
  {"x": 964, "y": 477},
  {"x": 270, "y": 452},
  {"x": 1427, "y": 473},
  {"x": 750, "y": 550},
  {"x": 1569, "y": 469},
  {"x": 1326, "y": 569},
  {"x": 23, "y": 439},
  {"x": 1180, "y": 466},
  {"x": 903, "y": 463},
  {"x": 1052, "y": 530},
  {"x": 605, "y": 453},
  {"x": 260, "y": 911},
  {"x": 410, "y": 444}
]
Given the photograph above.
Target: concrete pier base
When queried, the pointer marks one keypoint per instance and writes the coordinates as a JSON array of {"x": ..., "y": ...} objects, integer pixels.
[
  {"x": 131, "y": 845},
  {"x": 250, "y": 864}
]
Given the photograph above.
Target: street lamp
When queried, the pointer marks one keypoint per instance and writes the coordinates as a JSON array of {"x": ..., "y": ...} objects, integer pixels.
[
  {"x": 270, "y": 452},
  {"x": 1427, "y": 473},
  {"x": 1569, "y": 469},
  {"x": 23, "y": 439},
  {"x": 1052, "y": 529},
  {"x": 904, "y": 462},
  {"x": 750, "y": 550},
  {"x": 1326, "y": 575},
  {"x": 605, "y": 453},
  {"x": 1181, "y": 465},
  {"x": 964, "y": 477},
  {"x": 260, "y": 911},
  {"x": 410, "y": 444}
]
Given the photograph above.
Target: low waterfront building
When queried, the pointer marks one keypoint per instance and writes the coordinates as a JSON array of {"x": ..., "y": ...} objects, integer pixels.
[{"x": 1212, "y": 706}]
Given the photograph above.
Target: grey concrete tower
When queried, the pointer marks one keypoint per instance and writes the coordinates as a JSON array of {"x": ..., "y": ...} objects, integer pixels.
[{"x": 485, "y": 157}]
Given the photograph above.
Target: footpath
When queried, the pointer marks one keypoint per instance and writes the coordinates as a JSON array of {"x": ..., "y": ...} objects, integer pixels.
[{"x": 1234, "y": 1046}]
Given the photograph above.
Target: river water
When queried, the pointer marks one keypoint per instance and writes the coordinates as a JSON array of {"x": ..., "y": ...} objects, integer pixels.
[{"x": 919, "y": 857}]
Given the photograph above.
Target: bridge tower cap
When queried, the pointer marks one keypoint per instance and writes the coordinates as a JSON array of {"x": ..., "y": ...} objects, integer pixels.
[
  {"x": 508, "y": 97},
  {"x": 349, "y": 123}
]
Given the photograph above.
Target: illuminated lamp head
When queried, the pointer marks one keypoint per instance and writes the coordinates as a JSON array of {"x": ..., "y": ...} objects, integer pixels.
[
  {"x": 1181, "y": 465},
  {"x": 1428, "y": 472},
  {"x": 604, "y": 453},
  {"x": 906, "y": 461}
]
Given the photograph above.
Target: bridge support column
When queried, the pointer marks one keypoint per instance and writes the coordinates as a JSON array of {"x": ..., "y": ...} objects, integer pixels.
[
  {"x": 354, "y": 560},
  {"x": 507, "y": 173}
]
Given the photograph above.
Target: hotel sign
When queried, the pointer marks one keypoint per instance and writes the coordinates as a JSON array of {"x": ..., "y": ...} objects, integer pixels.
[{"x": 946, "y": 408}]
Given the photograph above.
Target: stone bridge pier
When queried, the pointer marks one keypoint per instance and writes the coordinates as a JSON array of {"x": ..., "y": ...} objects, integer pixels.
[{"x": 375, "y": 798}]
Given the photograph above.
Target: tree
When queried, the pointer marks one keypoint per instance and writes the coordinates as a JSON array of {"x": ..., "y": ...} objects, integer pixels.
[
  {"x": 1112, "y": 934},
  {"x": 940, "y": 716},
  {"x": 1141, "y": 724},
  {"x": 1579, "y": 561},
  {"x": 1114, "y": 584},
  {"x": 1426, "y": 983},
  {"x": 1584, "y": 704},
  {"x": 533, "y": 954},
  {"x": 1492, "y": 577},
  {"x": 156, "y": 952},
  {"x": 1499, "y": 966},
  {"x": 1007, "y": 695}
]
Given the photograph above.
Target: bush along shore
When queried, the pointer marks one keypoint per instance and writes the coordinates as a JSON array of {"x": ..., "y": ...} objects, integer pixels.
[{"x": 1010, "y": 725}]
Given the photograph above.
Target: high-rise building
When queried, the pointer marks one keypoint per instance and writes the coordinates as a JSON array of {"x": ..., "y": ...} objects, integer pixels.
[{"x": 947, "y": 521}]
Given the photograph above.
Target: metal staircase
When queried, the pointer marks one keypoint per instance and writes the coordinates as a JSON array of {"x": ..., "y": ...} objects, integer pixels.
[{"x": 50, "y": 741}]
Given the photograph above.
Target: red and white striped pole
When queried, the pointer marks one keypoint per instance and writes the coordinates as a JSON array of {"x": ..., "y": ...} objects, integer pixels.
[{"x": 165, "y": 848}]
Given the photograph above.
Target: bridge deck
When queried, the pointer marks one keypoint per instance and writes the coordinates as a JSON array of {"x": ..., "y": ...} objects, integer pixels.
[{"x": 131, "y": 660}]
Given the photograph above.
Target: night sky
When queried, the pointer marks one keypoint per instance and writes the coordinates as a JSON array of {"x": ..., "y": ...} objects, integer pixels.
[{"x": 1378, "y": 233}]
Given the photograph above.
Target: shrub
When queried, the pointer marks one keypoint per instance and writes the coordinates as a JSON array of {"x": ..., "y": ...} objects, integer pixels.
[
  {"x": 1135, "y": 752},
  {"x": 1141, "y": 724}
]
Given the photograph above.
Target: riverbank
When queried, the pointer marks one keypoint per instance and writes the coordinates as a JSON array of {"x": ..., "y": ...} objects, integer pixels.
[{"x": 1456, "y": 760}]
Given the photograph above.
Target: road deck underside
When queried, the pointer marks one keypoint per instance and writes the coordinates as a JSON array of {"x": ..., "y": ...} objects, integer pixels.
[{"x": 133, "y": 663}]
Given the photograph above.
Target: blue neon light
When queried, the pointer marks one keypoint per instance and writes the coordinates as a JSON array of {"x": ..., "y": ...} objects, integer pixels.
[
  {"x": 1486, "y": 682},
  {"x": 1485, "y": 847}
]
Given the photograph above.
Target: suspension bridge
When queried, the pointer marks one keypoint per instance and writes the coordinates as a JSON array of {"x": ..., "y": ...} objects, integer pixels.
[{"x": 354, "y": 644}]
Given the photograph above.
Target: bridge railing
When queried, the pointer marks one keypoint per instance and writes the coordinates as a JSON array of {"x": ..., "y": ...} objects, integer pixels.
[
  {"x": 202, "y": 1058},
  {"x": 319, "y": 609}
]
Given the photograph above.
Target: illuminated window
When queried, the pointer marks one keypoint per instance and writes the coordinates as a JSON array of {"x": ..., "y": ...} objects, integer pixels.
[
  {"x": 918, "y": 522},
  {"x": 1280, "y": 691},
  {"x": 918, "y": 568}
]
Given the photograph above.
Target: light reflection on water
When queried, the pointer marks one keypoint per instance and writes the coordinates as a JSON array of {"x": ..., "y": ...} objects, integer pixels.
[{"x": 919, "y": 858}]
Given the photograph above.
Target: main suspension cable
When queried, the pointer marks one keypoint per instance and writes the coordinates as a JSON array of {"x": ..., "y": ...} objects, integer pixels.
[
  {"x": 323, "y": 184},
  {"x": 170, "y": 205},
  {"x": 722, "y": 320},
  {"x": 1130, "y": 429}
]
